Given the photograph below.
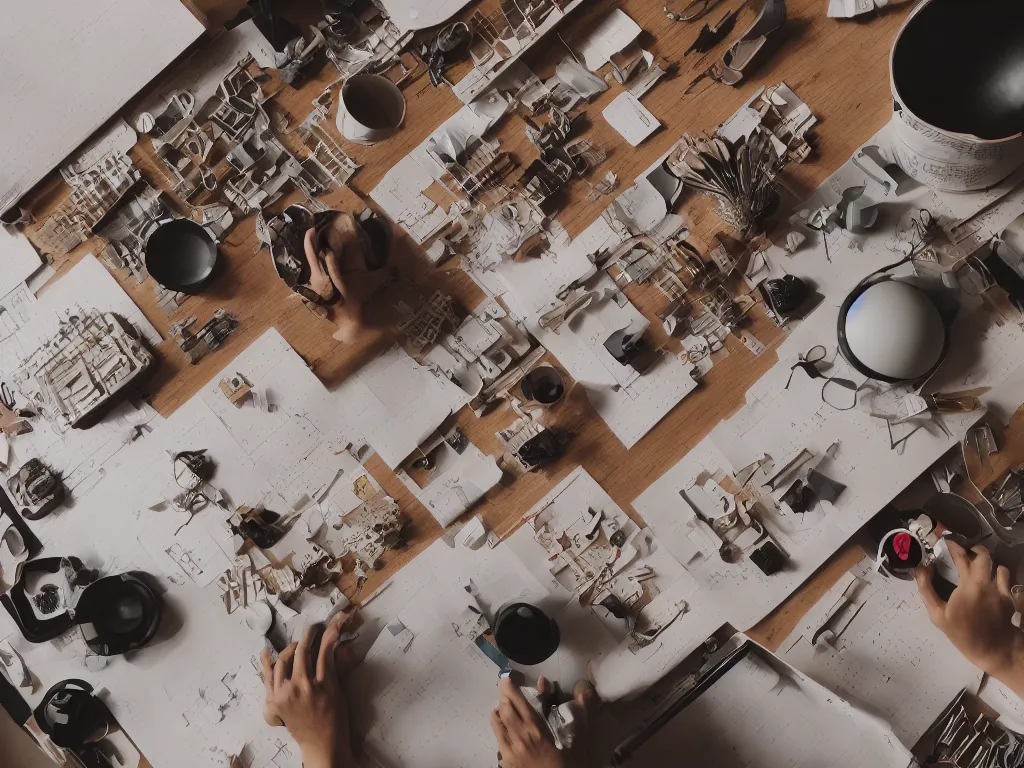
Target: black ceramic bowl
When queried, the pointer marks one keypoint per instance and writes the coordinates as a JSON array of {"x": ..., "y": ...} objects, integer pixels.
[{"x": 181, "y": 255}]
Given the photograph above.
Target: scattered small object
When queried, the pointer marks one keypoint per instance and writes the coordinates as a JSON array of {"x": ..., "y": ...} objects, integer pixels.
[
  {"x": 36, "y": 489},
  {"x": 855, "y": 212},
  {"x": 450, "y": 45},
  {"x": 743, "y": 52},
  {"x": 742, "y": 176},
  {"x": 236, "y": 389},
  {"x": 210, "y": 336},
  {"x": 768, "y": 558},
  {"x": 709, "y": 37},
  {"x": 625, "y": 345},
  {"x": 793, "y": 242},
  {"x": 784, "y": 295},
  {"x": 693, "y": 10}
]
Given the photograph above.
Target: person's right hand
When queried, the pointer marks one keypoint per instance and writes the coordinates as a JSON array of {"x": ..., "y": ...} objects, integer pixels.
[
  {"x": 523, "y": 738},
  {"x": 977, "y": 618},
  {"x": 305, "y": 695}
]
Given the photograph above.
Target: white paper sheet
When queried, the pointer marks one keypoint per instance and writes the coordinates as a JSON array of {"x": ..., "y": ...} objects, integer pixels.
[
  {"x": 616, "y": 31},
  {"x": 299, "y": 446},
  {"x": 634, "y": 122},
  {"x": 88, "y": 285},
  {"x": 877, "y": 648},
  {"x": 629, "y": 402},
  {"x": 202, "y": 73},
  {"x": 113, "y": 47},
  {"x": 432, "y": 702},
  {"x": 459, "y": 481},
  {"x": 395, "y": 403},
  {"x": 20, "y": 260}
]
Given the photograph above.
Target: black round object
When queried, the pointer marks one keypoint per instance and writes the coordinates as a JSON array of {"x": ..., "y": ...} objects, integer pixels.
[
  {"x": 71, "y": 715},
  {"x": 959, "y": 64},
  {"x": 123, "y": 611},
  {"x": 181, "y": 255},
  {"x": 787, "y": 293},
  {"x": 543, "y": 384},
  {"x": 525, "y": 634}
]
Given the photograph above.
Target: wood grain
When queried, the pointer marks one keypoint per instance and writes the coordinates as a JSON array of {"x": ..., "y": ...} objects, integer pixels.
[{"x": 839, "y": 68}]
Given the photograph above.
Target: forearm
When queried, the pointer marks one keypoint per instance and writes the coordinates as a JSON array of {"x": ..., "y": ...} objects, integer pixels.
[
  {"x": 1010, "y": 669},
  {"x": 336, "y": 757}
]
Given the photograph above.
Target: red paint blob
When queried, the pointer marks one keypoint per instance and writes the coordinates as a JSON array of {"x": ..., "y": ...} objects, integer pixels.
[{"x": 901, "y": 544}]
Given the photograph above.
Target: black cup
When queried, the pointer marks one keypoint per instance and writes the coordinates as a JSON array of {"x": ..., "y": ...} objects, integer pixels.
[{"x": 525, "y": 634}]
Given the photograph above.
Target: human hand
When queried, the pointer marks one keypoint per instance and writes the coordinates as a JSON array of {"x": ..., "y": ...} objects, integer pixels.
[
  {"x": 523, "y": 738},
  {"x": 319, "y": 281},
  {"x": 977, "y": 617},
  {"x": 306, "y": 697}
]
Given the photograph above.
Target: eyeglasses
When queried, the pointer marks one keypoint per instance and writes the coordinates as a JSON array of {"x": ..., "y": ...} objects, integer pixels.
[
  {"x": 839, "y": 393},
  {"x": 808, "y": 363}
]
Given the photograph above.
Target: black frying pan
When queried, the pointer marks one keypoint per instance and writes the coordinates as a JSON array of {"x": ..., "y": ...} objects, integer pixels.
[{"x": 181, "y": 255}]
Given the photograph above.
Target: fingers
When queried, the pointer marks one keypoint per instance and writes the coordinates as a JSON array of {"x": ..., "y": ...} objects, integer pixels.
[
  {"x": 300, "y": 667},
  {"x": 586, "y": 700},
  {"x": 500, "y": 733},
  {"x": 960, "y": 559},
  {"x": 267, "y": 669},
  {"x": 1003, "y": 582},
  {"x": 509, "y": 692},
  {"x": 309, "y": 243},
  {"x": 981, "y": 565},
  {"x": 932, "y": 602},
  {"x": 543, "y": 686},
  {"x": 509, "y": 715},
  {"x": 282, "y": 669},
  {"x": 326, "y": 664}
]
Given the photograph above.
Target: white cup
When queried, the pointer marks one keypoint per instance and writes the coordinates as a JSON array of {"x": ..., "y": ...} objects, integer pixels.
[{"x": 371, "y": 109}]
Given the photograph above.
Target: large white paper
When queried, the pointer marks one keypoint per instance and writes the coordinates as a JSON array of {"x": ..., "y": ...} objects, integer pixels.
[
  {"x": 395, "y": 403},
  {"x": 870, "y": 641},
  {"x": 762, "y": 712},
  {"x": 113, "y": 47}
]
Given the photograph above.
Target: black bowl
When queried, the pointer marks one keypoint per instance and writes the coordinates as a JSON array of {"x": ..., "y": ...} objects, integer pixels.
[
  {"x": 181, "y": 255},
  {"x": 959, "y": 65}
]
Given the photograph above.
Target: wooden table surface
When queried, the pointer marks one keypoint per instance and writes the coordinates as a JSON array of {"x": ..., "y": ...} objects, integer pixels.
[{"x": 839, "y": 68}]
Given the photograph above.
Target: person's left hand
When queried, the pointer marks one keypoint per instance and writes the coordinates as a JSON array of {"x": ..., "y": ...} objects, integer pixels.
[
  {"x": 523, "y": 738},
  {"x": 309, "y": 701}
]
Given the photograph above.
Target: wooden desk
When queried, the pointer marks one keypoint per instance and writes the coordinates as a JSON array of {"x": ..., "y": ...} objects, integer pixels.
[{"x": 840, "y": 68}]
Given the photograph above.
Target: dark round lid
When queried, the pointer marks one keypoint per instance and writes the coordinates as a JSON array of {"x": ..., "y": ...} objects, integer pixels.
[
  {"x": 959, "y": 65},
  {"x": 525, "y": 634}
]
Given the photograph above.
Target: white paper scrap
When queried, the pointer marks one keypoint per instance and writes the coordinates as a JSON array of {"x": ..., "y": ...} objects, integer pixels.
[
  {"x": 616, "y": 31},
  {"x": 19, "y": 259},
  {"x": 634, "y": 122}
]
